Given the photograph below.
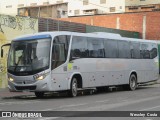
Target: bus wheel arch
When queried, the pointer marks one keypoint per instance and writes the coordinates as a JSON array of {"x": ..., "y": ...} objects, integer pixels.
[
  {"x": 133, "y": 80},
  {"x": 79, "y": 80},
  {"x": 76, "y": 82}
]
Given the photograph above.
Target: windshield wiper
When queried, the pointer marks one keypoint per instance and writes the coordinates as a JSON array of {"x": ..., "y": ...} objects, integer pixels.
[{"x": 17, "y": 63}]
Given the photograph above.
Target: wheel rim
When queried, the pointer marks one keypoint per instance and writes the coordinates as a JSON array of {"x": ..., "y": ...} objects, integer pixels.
[
  {"x": 74, "y": 87},
  {"x": 133, "y": 82}
]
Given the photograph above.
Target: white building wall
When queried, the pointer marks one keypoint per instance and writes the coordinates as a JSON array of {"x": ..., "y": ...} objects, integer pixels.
[
  {"x": 141, "y": 2},
  {"x": 10, "y": 6},
  {"x": 95, "y": 4},
  {"x": 14, "y": 3}
]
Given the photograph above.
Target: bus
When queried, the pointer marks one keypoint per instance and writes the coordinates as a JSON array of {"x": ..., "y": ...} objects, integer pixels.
[{"x": 70, "y": 61}]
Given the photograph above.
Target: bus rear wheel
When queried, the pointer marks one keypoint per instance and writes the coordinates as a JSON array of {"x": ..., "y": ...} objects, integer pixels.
[
  {"x": 73, "y": 88},
  {"x": 39, "y": 94},
  {"x": 132, "y": 82}
]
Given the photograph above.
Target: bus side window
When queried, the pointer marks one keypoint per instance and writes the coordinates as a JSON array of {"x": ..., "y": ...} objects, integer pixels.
[
  {"x": 111, "y": 48},
  {"x": 96, "y": 47},
  {"x": 153, "y": 51},
  {"x": 79, "y": 47},
  {"x": 145, "y": 51},
  {"x": 135, "y": 50}
]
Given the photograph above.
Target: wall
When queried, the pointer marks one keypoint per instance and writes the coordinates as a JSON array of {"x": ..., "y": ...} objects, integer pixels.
[
  {"x": 95, "y": 4},
  {"x": 138, "y": 2},
  {"x": 146, "y": 23},
  {"x": 11, "y": 27},
  {"x": 23, "y": 3}
]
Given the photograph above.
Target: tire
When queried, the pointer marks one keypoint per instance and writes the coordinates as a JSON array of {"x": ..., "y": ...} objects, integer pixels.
[
  {"x": 39, "y": 94},
  {"x": 132, "y": 82},
  {"x": 73, "y": 88}
]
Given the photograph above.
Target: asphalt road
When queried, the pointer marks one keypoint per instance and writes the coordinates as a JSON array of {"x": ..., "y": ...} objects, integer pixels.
[{"x": 145, "y": 98}]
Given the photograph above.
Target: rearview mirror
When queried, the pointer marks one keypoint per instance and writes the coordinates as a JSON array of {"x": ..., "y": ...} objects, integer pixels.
[
  {"x": 1, "y": 53},
  {"x": 8, "y": 44}
]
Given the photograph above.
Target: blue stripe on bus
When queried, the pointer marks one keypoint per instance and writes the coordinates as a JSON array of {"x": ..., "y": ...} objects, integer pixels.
[{"x": 33, "y": 37}]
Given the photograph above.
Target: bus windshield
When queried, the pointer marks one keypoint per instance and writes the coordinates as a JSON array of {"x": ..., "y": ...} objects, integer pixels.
[{"x": 29, "y": 57}]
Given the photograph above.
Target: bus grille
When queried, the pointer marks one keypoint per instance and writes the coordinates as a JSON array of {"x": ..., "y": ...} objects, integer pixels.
[
  {"x": 25, "y": 82},
  {"x": 25, "y": 87}
]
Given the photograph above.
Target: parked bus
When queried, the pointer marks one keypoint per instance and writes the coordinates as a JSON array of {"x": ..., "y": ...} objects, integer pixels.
[{"x": 70, "y": 61}]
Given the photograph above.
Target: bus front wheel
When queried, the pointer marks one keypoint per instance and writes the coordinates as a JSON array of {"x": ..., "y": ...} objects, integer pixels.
[
  {"x": 39, "y": 94},
  {"x": 73, "y": 88},
  {"x": 132, "y": 82}
]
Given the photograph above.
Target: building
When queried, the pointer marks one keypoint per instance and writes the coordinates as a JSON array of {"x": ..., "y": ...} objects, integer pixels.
[
  {"x": 70, "y": 8},
  {"x": 25, "y": 7},
  {"x": 93, "y": 7},
  {"x": 58, "y": 10},
  {"x": 142, "y": 5}
]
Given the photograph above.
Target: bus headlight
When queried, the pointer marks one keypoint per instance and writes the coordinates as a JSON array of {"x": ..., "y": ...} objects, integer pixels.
[
  {"x": 10, "y": 79},
  {"x": 40, "y": 76}
]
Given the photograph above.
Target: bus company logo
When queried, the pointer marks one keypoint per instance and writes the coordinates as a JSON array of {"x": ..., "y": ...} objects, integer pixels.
[{"x": 6, "y": 114}]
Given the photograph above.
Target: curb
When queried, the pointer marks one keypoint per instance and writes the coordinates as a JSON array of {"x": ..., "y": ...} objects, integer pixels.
[{"x": 4, "y": 89}]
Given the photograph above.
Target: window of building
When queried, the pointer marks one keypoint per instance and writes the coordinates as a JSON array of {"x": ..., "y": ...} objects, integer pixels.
[
  {"x": 20, "y": 5},
  {"x": 85, "y": 2},
  {"x": 111, "y": 48},
  {"x": 102, "y": 1},
  {"x": 147, "y": 7},
  {"x": 120, "y": 7},
  {"x": 112, "y": 9},
  {"x": 45, "y": 3},
  {"x": 59, "y": 1},
  {"x": 9, "y": 6},
  {"x": 33, "y": 4},
  {"x": 58, "y": 14},
  {"x": 96, "y": 47},
  {"x": 133, "y": 8},
  {"x": 76, "y": 12},
  {"x": 64, "y": 12}
]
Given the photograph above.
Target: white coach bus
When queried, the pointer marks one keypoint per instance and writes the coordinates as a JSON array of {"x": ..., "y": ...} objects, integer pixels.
[{"x": 69, "y": 61}]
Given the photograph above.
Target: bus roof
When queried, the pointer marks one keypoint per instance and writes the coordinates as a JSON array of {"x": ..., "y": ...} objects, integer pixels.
[{"x": 42, "y": 35}]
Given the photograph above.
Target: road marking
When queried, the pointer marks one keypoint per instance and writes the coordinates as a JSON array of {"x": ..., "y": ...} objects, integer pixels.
[
  {"x": 52, "y": 118},
  {"x": 75, "y": 105},
  {"x": 150, "y": 108},
  {"x": 44, "y": 110},
  {"x": 11, "y": 103},
  {"x": 61, "y": 107},
  {"x": 103, "y": 101}
]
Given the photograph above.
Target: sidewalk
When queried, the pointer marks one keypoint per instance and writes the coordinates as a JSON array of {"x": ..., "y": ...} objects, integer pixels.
[{"x": 5, "y": 93}]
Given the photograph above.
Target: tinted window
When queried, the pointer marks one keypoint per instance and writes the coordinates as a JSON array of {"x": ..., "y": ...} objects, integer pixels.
[
  {"x": 60, "y": 50},
  {"x": 63, "y": 39},
  {"x": 96, "y": 47},
  {"x": 123, "y": 49},
  {"x": 79, "y": 47},
  {"x": 110, "y": 48},
  {"x": 145, "y": 51},
  {"x": 153, "y": 51},
  {"x": 135, "y": 50}
]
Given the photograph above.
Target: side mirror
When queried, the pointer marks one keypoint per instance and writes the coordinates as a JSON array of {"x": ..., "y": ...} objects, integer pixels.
[
  {"x": 8, "y": 44},
  {"x": 1, "y": 53}
]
